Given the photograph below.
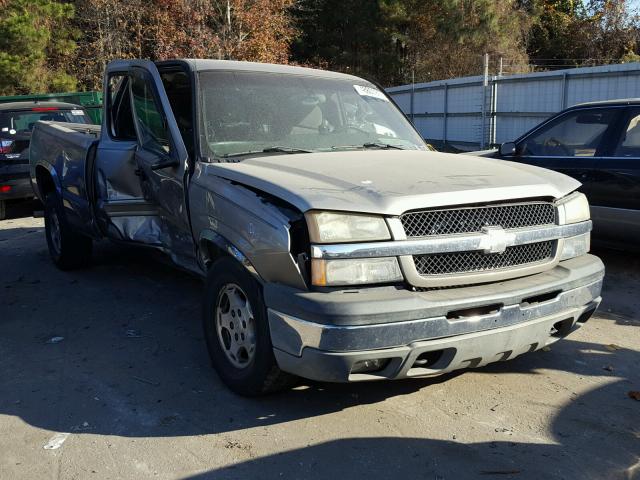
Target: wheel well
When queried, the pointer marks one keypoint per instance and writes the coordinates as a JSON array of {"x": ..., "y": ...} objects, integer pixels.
[
  {"x": 45, "y": 182},
  {"x": 210, "y": 251}
]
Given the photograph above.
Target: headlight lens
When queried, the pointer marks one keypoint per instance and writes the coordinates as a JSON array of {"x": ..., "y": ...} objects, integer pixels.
[
  {"x": 575, "y": 246},
  {"x": 331, "y": 227},
  {"x": 325, "y": 273},
  {"x": 576, "y": 208}
]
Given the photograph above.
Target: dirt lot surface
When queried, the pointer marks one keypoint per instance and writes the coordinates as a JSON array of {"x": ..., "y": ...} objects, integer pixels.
[{"x": 128, "y": 391}]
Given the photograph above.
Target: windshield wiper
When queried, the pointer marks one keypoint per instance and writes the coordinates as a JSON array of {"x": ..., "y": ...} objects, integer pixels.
[
  {"x": 286, "y": 150},
  {"x": 382, "y": 146},
  {"x": 274, "y": 149}
]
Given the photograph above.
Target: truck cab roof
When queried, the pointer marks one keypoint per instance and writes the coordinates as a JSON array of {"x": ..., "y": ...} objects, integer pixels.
[{"x": 200, "y": 65}]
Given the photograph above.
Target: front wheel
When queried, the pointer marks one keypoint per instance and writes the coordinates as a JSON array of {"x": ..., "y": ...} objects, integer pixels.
[
  {"x": 68, "y": 250},
  {"x": 237, "y": 332}
]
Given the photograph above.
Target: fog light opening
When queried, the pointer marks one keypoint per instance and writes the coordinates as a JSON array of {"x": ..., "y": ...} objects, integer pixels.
[
  {"x": 372, "y": 365},
  {"x": 427, "y": 359},
  {"x": 586, "y": 315},
  {"x": 562, "y": 328}
]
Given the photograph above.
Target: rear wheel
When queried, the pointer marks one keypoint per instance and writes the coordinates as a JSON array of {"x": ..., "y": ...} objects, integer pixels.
[
  {"x": 3, "y": 209},
  {"x": 237, "y": 332},
  {"x": 69, "y": 250}
]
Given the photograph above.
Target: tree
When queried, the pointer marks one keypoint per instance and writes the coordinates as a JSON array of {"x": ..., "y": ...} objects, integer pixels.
[
  {"x": 391, "y": 40},
  {"x": 449, "y": 37},
  {"x": 362, "y": 37},
  {"x": 258, "y": 30},
  {"x": 36, "y": 44},
  {"x": 568, "y": 33}
]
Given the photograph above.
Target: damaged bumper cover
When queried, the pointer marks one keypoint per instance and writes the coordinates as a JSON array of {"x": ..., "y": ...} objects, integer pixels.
[{"x": 330, "y": 336}]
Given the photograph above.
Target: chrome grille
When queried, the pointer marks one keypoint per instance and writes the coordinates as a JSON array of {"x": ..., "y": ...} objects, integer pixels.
[
  {"x": 477, "y": 261},
  {"x": 472, "y": 219}
]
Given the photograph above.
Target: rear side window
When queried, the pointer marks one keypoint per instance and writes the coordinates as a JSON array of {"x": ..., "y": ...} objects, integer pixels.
[
  {"x": 575, "y": 134},
  {"x": 13, "y": 123},
  {"x": 629, "y": 143},
  {"x": 152, "y": 127},
  {"x": 119, "y": 115}
]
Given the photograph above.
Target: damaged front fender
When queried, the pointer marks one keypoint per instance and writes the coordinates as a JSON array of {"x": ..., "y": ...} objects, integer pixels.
[
  {"x": 242, "y": 222},
  {"x": 212, "y": 245}
]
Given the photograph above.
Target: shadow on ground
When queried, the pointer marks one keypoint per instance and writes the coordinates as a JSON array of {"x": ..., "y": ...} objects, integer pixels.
[
  {"x": 393, "y": 457},
  {"x": 22, "y": 208},
  {"x": 132, "y": 362}
]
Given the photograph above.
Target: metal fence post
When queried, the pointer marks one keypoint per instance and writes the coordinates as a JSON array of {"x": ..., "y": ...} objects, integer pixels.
[
  {"x": 413, "y": 94},
  {"x": 485, "y": 83},
  {"x": 494, "y": 104},
  {"x": 445, "y": 111},
  {"x": 563, "y": 97},
  {"x": 494, "y": 112}
]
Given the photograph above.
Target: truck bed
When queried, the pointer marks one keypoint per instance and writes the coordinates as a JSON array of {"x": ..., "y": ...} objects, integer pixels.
[{"x": 66, "y": 150}]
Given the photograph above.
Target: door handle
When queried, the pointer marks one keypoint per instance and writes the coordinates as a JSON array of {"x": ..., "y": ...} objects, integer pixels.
[{"x": 165, "y": 164}]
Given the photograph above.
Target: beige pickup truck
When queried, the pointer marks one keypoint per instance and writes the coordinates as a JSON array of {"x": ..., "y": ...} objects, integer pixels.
[{"x": 333, "y": 243}]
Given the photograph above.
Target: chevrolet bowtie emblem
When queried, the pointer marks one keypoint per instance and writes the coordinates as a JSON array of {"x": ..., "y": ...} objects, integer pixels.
[{"x": 496, "y": 240}]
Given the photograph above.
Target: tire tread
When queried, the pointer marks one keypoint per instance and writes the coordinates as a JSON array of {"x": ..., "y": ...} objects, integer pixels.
[{"x": 76, "y": 248}]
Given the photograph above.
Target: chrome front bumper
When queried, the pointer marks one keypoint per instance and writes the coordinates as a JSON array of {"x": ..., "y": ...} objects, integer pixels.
[{"x": 471, "y": 326}]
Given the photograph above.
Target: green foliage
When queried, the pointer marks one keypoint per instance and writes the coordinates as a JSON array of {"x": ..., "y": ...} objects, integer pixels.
[
  {"x": 46, "y": 45},
  {"x": 394, "y": 41},
  {"x": 390, "y": 40},
  {"x": 630, "y": 57},
  {"x": 35, "y": 45},
  {"x": 357, "y": 36},
  {"x": 574, "y": 33}
]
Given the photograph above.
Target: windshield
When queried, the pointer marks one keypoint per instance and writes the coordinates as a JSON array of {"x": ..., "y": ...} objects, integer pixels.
[
  {"x": 20, "y": 122},
  {"x": 244, "y": 112}
]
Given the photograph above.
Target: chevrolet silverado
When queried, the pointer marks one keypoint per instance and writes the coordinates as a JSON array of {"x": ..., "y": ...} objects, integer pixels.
[{"x": 333, "y": 244}]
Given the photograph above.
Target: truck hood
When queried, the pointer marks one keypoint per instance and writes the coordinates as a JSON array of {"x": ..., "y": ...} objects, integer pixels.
[{"x": 391, "y": 182}]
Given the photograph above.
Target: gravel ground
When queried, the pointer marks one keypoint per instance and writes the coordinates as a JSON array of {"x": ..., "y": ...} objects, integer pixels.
[{"x": 128, "y": 391}]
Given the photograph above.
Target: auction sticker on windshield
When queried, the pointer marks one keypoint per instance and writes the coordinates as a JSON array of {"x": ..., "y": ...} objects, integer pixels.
[{"x": 370, "y": 92}]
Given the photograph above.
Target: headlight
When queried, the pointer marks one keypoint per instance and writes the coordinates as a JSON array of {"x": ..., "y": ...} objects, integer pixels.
[
  {"x": 326, "y": 273},
  {"x": 575, "y": 207},
  {"x": 576, "y": 246},
  {"x": 331, "y": 227}
]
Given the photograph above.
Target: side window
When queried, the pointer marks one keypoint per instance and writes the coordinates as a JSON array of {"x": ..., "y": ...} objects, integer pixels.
[
  {"x": 152, "y": 128},
  {"x": 178, "y": 88},
  {"x": 119, "y": 115},
  {"x": 575, "y": 134},
  {"x": 629, "y": 143}
]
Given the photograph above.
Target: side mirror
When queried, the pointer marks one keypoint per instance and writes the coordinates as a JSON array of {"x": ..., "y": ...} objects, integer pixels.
[{"x": 508, "y": 149}]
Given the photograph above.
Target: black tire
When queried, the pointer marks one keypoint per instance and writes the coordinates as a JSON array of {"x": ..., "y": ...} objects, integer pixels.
[
  {"x": 69, "y": 250},
  {"x": 261, "y": 374},
  {"x": 3, "y": 209}
]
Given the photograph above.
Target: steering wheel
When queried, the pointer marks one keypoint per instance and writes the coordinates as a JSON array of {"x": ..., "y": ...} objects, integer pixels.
[{"x": 555, "y": 143}]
